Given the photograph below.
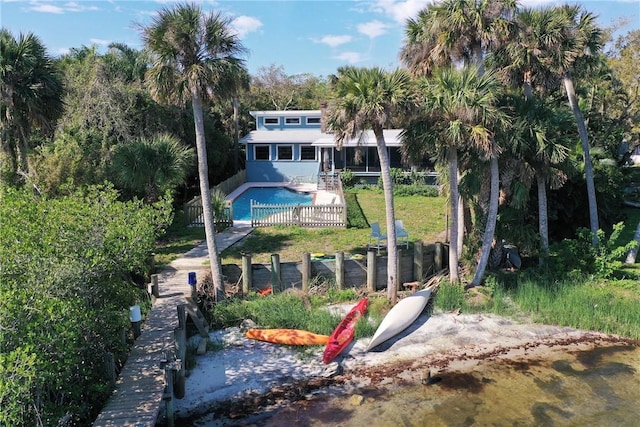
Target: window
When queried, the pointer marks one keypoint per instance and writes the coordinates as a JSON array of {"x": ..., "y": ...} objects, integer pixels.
[
  {"x": 272, "y": 120},
  {"x": 307, "y": 152},
  {"x": 313, "y": 120},
  {"x": 285, "y": 152},
  {"x": 261, "y": 152},
  {"x": 292, "y": 120}
]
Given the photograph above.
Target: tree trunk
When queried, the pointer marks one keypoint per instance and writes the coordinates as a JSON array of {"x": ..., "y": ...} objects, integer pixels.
[
  {"x": 236, "y": 150},
  {"x": 453, "y": 200},
  {"x": 543, "y": 218},
  {"x": 392, "y": 249},
  {"x": 588, "y": 168},
  {"x": 205, "y": 195},
  {"x": 490, "y": 227}
]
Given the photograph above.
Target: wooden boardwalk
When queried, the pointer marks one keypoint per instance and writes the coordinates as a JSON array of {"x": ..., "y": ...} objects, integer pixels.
[{"x": 140, "y": 388}]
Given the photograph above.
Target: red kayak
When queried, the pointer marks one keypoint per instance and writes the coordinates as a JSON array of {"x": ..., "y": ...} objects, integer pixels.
[{"x": 343, "y": 334}]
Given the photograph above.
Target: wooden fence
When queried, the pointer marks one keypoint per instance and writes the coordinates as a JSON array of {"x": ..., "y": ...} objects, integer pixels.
[
  {"x": 193, "y": 208},
  {"x": 266, "y": 215},
  {"x": 370, "y": 271}
]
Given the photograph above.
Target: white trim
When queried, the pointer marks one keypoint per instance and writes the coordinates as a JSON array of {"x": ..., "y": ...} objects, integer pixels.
[
  {"x": 265, "y": 118},
  {"x": 315, "y": 153},
  {"x": 285, "y": 113},
  {"x": 255, "y": 157},
  {"x": 286, "y": 121},
  {"x": 278, "y": 151},
  {"x": 306, "y": 120}
]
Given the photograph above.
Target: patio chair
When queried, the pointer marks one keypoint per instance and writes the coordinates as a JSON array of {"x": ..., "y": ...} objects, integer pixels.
[
  {"x": 377, "y": 236},
  {"x": 402, "y": 236}
]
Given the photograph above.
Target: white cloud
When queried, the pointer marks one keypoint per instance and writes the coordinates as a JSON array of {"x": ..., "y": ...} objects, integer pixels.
[
  {"x": 351, "y": 57},
  {"x": 244, "y": 25},
  {"x": 334, "y": 41},
  {"x": 400, "y": 11},
  {"x": 373, "y": 29},
  {"x": 60, "y": 8},
  {"x": 101, "y": 42}
]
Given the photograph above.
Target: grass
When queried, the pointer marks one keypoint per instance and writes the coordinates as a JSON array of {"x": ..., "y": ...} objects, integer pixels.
[
  {"x": 291, "y": 242},
  {"x": 606, "y": 306}
]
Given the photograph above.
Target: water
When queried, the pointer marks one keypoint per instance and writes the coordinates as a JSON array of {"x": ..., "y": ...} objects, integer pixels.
[
  {"x": 599, "y": 387},
  {"x": 267, "y": 195}
]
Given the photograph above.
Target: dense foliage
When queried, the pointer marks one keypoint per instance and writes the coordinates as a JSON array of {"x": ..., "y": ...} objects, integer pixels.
[{"x": 66, "y": 286}]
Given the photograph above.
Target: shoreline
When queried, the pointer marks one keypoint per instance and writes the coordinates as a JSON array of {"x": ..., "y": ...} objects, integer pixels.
[{"x": 247, "y": 376}]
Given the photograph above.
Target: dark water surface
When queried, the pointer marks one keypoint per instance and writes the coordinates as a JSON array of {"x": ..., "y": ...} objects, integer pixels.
[{"x": 599, "y": 387}]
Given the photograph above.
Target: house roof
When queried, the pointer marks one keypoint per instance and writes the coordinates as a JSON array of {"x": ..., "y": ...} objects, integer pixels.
[
  {"x": 391, "y": 138},
  {"x": 282, "y": 136},
  {"x": 285, "y": 113},
  {"x": 317, "y": 138}
]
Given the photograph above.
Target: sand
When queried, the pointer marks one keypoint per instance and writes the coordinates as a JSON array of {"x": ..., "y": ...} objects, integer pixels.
[{"x": 245, "y": 370}]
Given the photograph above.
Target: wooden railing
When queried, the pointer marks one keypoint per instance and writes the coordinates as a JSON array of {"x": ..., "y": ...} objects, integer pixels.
[
  {"x": 194, "y": 217},
  {"x": 193, "y": 208},
  {"x": 265, "y": 215}
]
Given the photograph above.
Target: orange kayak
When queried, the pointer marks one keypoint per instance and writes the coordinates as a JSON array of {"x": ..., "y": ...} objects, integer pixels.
[
  {"x": 344, "y": 332},
  {"x": 287, "y": 336}
]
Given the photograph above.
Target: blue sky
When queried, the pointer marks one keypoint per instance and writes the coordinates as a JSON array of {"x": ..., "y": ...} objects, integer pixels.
[{"x": 303, "y": 36}]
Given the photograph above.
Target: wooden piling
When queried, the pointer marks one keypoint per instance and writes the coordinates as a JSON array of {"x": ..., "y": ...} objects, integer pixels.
[
  {"x": 418, "y": 260},
  {"x": 372, "y": 270},
  {"x": 276, "y": 278},
  {"x": 110, "y": 368},
  {"x": 340, "y": 270},
  {"x": 246, "y": 273},
  {"x": 306, "y": 271},
  {"x": 437, "y": 256},
  {"x": 155, "y": 290}
]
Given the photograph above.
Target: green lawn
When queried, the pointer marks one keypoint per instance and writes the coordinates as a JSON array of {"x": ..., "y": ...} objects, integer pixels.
[{"x": 423, "y": 217}]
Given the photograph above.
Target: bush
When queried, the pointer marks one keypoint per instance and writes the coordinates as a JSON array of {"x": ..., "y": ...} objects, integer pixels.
[{"x": 66, "y": 292}]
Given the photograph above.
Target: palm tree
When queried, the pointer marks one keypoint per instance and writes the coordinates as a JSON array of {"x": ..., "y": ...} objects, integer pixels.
[
  {"x": 458, "y": 109},
  {"x": 30, "y": 95},
  {"x": 192, "y": 52},
  {"x": 540, "y": 140},
  {"x": 579, "y": 42},
  {"x": 150, "y": 167},
  {"x": 369, "y": 98},
  {"x": 448, "y": 33}
]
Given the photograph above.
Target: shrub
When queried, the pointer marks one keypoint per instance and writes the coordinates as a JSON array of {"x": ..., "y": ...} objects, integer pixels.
[{"x": 66, "y": 292}]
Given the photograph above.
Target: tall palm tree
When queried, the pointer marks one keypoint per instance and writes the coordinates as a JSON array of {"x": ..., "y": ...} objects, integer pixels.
[
  {"x": 150, "y": 167},
  {"x": 540, "y": 140},
  {"x": 369, "y": 98},
  {"x": 192, "y": 52},
  {"x": 458, "y": 110},
  {"x": 449, "y": 33},
  {"x": 30, "y": 95},
  {"x": 579, "y": 42}
]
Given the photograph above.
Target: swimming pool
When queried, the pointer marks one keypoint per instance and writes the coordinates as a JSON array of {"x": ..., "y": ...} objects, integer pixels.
[{"x": 267, "y": 195}]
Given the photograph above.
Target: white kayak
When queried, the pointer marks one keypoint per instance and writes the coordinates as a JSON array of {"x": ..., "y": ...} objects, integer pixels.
[{"x": 401, "y": 316}]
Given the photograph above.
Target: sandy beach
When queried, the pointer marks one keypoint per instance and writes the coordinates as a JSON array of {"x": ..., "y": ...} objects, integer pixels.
[{"x": 247, "y": 374}]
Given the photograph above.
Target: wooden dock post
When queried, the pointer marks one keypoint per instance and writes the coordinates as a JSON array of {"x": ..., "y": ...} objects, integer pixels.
[
  {"x": 399, "y": 278},
  {"x": 168, "y": 392},
  {"x": 306, "y": 271},
  {"x": 110, "y": 367},
  {"x": 418, "y": 260},
  {"x": 340, "y": 270},
  {"x": 155, "y": 291},
  {"x": 180, "y": 336},
  {"x": 246, "y": 273},
  {"x": 372, "y": 270},
  {"x": 437, "y": 256},
  {"x": 276, "y": 279}
]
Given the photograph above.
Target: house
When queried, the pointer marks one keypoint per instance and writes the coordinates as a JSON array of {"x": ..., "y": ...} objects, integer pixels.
[{"x": 293, "y": 145}]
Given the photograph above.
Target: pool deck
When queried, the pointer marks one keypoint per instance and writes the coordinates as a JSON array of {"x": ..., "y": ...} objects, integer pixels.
[{"x": 321, "y": 197}]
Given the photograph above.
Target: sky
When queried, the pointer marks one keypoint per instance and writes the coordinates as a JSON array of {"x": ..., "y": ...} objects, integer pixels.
[{"x": 302, "y": 36}]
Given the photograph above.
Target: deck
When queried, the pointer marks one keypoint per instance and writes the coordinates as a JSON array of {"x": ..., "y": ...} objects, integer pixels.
[{"x": 140, "y": 388}]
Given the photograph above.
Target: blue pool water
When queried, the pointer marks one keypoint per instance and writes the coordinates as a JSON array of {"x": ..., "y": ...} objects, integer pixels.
[{"x": 267, "y": 195}]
